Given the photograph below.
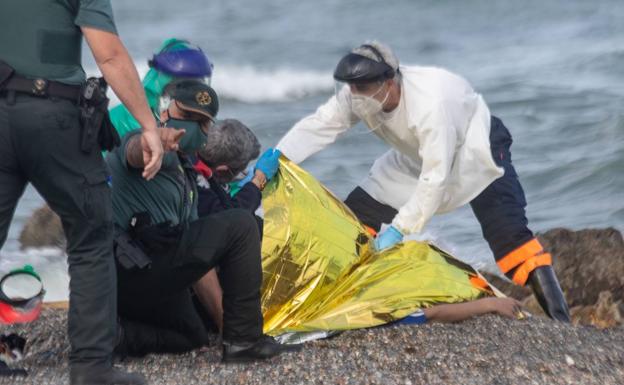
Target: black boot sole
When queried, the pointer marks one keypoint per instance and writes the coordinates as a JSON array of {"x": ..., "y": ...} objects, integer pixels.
[{"x": 242, "y": 359}]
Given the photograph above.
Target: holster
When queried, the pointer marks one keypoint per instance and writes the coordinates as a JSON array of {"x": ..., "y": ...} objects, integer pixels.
[
  {"x": 97, "y": 128},
  {"x": 129, "y": 253},
  {"x": 6, "y": 71},
  {"x": 159, "y": 239},
  {"x": 135, "y": 246}
]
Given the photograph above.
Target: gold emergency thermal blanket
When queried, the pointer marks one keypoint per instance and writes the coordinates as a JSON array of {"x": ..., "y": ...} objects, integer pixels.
[{"x": 321, "y": 271}]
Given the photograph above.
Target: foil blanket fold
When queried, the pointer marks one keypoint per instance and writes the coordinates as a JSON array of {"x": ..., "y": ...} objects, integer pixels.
[{"x": 321, "y": 272}]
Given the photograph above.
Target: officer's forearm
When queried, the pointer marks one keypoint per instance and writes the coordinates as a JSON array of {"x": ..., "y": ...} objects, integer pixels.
[
  {"x": 210, "y": 295},
  {"x": 119, "y": 71}
]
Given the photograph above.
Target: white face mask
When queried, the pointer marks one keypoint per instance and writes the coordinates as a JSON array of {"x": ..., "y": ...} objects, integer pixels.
[
  {"x": 366, "y": 106},
  {"x": 163, "y": 103}
]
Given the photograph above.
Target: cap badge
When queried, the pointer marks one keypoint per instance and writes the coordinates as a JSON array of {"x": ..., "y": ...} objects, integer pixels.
[{"x": 203, "y": 98}]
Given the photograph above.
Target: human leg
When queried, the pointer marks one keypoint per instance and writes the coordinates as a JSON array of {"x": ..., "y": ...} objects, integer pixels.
[
  {"x": 500, "y": 209},
  {"x": 75, "y": 185},
  {"x": 169, "y": 325},
  {"x": 368, "y": 210},
  {"x": 12, "y": 180},
  {"x": 230, "y": 240},
  {"x": 388, "y": 186}
]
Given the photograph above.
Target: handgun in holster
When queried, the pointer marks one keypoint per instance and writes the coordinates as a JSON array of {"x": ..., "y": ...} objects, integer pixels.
[
  {"x": 97, "y": 128},
  {"x": 129, "y": 252}
]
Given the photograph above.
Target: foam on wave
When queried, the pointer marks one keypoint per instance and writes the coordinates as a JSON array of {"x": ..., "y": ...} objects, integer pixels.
[{"x": 247, "y": 84}]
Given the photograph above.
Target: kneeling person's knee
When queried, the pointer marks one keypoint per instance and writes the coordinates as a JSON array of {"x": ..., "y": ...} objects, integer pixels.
[{"x": 244, "y": 224}]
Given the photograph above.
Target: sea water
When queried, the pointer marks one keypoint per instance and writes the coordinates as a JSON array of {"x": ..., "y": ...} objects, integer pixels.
[{"x": 552, "y": 71}]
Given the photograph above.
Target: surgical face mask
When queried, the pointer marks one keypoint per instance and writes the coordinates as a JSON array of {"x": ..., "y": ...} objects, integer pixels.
[
  {"x": 163, "y": 103},
  {"x": 244, "y": 174},
  {"x": 193, "y": 139},
  {"x": 365, "y": 106}
]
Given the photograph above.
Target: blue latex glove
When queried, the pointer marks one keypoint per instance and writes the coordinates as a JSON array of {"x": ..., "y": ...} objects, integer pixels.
[
  {"x": 388, "y": 238},
  {"x": 250, "y": 174},
  {"x": 269, "y": 163}
]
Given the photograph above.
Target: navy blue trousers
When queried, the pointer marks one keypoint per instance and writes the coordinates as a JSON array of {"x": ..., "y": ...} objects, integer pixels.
[{"x": 500, "y": 208}]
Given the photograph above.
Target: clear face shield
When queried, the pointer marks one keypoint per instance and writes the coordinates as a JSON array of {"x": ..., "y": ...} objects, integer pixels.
[
  {"x": 362, "y": 102},
  {"x": 157, "y": 80}
]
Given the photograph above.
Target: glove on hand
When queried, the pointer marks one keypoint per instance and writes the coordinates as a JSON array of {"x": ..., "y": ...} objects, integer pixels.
[
  {"x": 388, "y": 238},
  {"x": 250, "y": 174},
  {"x": 269, "y": 163}
]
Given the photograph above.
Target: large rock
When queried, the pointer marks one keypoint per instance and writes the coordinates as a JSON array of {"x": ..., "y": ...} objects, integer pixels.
[
  {"x": 43, "y": 229},
  {"x": 590, "y": 267}
]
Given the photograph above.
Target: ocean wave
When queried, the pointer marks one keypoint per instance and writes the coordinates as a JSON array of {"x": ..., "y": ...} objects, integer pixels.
[
  {"x": 247, "y": 84},
  {"x": 250, "y": 85}
]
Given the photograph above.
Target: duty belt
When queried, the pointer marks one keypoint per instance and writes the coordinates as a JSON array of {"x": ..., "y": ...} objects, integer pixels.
[{"x": 42, "y": 88}]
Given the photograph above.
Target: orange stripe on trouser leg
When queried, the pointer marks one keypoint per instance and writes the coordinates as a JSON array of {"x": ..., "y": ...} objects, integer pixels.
[
  {"x": 522, "y": 272},
  {"x": 520, "y": 255}
]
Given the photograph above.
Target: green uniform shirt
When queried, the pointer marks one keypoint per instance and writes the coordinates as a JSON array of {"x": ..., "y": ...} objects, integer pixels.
[
  {"x": 170, "y": 196},
  {"x": 42, "y": 38}
]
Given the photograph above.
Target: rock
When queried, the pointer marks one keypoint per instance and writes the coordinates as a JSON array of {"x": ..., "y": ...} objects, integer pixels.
[
  {"x": 604, "y": 313},
  {"x": 569, "y": 360},
  {"x": 43, "y": 229},
  {"x": 590, "y": 267}
]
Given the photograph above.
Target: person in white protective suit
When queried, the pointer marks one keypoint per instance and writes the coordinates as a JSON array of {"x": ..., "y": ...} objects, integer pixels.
[{"x": 447, "y": 150}]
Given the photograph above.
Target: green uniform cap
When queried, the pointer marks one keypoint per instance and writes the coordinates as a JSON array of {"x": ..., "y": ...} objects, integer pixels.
[{"x": 197, "y": 97}]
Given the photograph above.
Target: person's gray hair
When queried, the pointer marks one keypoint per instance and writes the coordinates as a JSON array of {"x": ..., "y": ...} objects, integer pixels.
[
  {"x": 385, "y": 51},
  {"x": 230, "y": 143}
]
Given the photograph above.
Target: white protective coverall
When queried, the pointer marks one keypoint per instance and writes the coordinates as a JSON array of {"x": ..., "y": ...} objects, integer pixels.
[{"x": 441, "y": 157}]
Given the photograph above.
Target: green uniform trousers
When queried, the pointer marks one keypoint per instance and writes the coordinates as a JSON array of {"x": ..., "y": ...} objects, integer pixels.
[{"x": 40, "y": 144}]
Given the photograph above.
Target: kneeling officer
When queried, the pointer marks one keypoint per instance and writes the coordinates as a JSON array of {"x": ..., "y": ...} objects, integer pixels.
[{"x": 162, "y": 248}]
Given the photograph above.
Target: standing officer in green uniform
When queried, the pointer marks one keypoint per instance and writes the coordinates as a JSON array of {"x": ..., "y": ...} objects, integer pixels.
[{"x": 43, "y": 142}]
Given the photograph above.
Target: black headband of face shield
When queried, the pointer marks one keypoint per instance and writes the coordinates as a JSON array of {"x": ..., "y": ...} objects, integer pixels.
[
  {"x": 388, "y": 74},
  {"x": 357, "y": 68}
]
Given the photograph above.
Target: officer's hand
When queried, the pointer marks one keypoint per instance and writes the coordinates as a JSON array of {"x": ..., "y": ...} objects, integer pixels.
[
  {"x": 269, "y": 163},
  {"x": 388, "y": 238},
  {"x": 152, "y": 152},
  {"x": 170, "y": 138}
]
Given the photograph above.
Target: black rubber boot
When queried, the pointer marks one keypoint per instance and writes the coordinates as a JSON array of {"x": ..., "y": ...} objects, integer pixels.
[
  {"x": 548, "y": 293},
  {"x": 104, "y": 376},
  {"x": 265, "y": 347}
]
